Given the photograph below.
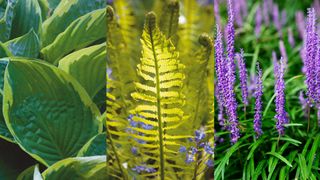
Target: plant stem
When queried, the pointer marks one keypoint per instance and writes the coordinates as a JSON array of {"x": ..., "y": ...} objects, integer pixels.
[{"x": 308, "y": 119}]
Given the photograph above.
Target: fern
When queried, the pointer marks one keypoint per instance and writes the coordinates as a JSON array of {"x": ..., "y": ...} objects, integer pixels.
[
  {"x": 169, "y": 20},
  {"x": 159, "y": 98}
]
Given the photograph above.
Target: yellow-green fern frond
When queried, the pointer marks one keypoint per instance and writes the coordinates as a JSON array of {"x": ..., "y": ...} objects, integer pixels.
[
  {"x": 127, "y": 22},
  {"x": 119, "y": 59},
  {"x": 159, "y": 105},
  {"x": 117, "y": 139},
  {"x": 197, "y": 101},
  {"x": 169, "y": 20}
]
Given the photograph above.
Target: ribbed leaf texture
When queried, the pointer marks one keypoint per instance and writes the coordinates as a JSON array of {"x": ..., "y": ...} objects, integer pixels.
[{"x": 159, "y": 101}]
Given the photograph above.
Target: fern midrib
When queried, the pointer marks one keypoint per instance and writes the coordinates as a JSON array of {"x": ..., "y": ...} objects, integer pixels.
[{"x": 158, "y": 106}]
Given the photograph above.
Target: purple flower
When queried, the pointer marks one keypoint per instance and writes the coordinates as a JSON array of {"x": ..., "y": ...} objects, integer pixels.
[
  {"x": 276, "y": 21},
  {"x": 199, "y": 135},
  {"x": 237, "y": 10},
  {"x": 243, "y": 77},
  {"x": 280, "y": 101},
  {"x": 257, "y": 124},
  {"x": 265, "y": 11},
  {"x": 209, "y": 163},
  {"x": 140, "y": 141},
  {"x": 216, "y": 12},
  {"x": 140, "y": 169},
  {"x": 258, "y": 22},
  {"x": 183, "y": 149},
  {"x": 146, "y": 126},
  {"x": 134, "y": 150},
  {"x": 193, "y": 150},
  {"x": 299, "y": 17},
  {"x": 283, "y": 17},
  {"x": 189, "y": 158},
  {"x": 311, "y": 50},
  {"x": 208, "y": 148},
  {"x": 230, "y": 98},
  {"x": 283, "y": 53},
  {"x": 291, "y": 37}
]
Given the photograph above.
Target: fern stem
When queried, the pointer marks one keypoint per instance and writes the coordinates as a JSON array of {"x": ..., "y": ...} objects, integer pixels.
[{"x": 151, "y": 26}]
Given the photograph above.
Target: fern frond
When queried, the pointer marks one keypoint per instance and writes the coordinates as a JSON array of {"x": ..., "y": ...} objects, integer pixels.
[
  {"x": 169, "y": 20},
  {"x": 197, "y": 101},
  {"x": 159, "y": 103},
  {"x": 128, "y": 23},
  {"x": 119, "y": 58},
  {"x": 117, "y": 141}
]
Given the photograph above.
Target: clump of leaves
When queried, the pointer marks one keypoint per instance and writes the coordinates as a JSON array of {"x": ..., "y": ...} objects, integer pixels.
[
  {"x": 160, "y": 101},
  {"x": 52, "y": 80}
]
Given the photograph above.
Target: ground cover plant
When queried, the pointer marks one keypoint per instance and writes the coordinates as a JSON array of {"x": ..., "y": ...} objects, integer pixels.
[
  {"x": 159, "y": 89},
  {"x": 52, "y": 89},
  {"x": 267, "y": 112}
]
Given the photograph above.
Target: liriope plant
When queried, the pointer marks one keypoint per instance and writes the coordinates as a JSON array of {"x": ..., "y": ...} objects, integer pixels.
[{"x": 159, "y": 116}]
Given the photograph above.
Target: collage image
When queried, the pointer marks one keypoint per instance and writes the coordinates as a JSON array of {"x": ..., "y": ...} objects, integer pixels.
[{"x": 160, "y": 89}]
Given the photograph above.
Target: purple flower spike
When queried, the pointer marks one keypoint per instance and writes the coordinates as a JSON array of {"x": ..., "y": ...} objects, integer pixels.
[
  {"x": 257, "y": 124},
  {"x": 311, "y": 50},
  {"x": 183, "y": 149},
  {"x": 134, "y": 150},
  {"x": 189, "y": 158},
  {"x": 208, "y": 148},
  {"x": 283, "y": 53},
  {"x": 280, "y": 101},
  {"x": 299, "y": 17},
  {"x": 265, "y": 11},
  {"x": 291, "y": 38},
  {"x": 257, "y": 29},
  {"x": 231, "y": 102},
  {"x": 217, "y": 12},
  {"x": 243, "y": 77},
  {"x": 276, "y": 20}
]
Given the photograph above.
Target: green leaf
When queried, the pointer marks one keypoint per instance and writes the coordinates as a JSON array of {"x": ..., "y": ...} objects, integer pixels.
[
  {"x": 50, "y": 115},
  {"x": 279, "y": 156},
  {"x": 93, "y": 167},
  {"x": 36, "y": 174},
  {"x": 303, "y": 166},
  {"x": 4, "y": 51},
  {"x": 27, "y": 45},
  {"x": 6, "y": 21},
  {"x": 88, "y": 67},
  {"x": 81, "y": 33},
  {"x": 44, "y": 6},
  {"x": 63, "y": 15},
  {"x": 27, "y": 174},
  {"x": 4, "y": 131},
  {"x": 95, "y": 146},
  {"x": 312, "y": 154},
  {"x": 27, "y": 16}
]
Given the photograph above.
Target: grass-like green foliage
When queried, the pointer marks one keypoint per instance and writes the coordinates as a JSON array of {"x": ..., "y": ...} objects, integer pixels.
[
  {"x": 296, "y": 155},
  {"x": 53, "y": 85},
  {"x": 164, "y": 81}
]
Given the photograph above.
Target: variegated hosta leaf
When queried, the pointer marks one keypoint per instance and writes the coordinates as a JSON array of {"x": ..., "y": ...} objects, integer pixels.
[
  {"x": 65, "y": 13},
  {"x": 79, "y": 34},
  {"x": 6, "y": 21},
  {"x": 159, "y": 106},
  {"x": 27, "y": 45},
  {"x": 27, "y": 17}
]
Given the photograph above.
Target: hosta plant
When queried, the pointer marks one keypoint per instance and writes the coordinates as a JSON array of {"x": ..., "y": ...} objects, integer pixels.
[
  {"x": 53, "y": 85},
  {"x": 159, "y": 90}
]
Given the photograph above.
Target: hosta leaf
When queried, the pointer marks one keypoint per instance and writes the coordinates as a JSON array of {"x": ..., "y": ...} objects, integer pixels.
[
  {"x": 27, "y": 174},
  {"x": 88, "y": 67},
  {"x": 6, "y": 21},
  {"x": 27, "y": 16},
  {"x": 66, "y": 12},
  {"x": 44, "y": 6},
  {"x": 81, "y": 33},
  {"x": 53, "y": 116},
  {"x": 4, "y": 132},
  {"x": 78, "y": 168},
  {"x": 53, "y": 3},
  {"x": 4, "y": 51},
  {"x": 27, "y": 45},
  {"x": 36, "y": 174},
  {"x": 95, "y": 146}
]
